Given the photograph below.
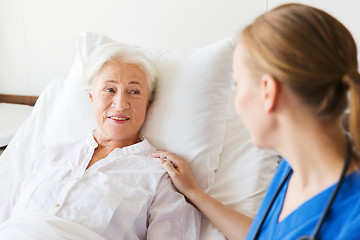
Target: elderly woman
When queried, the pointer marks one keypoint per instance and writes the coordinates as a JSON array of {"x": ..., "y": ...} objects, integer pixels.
[{"x": 109, "y": 183}]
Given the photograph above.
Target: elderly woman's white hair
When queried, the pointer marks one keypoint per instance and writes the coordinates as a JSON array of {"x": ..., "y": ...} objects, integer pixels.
[{"x": 113, "y": 51}]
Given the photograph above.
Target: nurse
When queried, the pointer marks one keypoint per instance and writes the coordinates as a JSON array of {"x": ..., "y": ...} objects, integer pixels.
[{"x": 296, "y": 70}]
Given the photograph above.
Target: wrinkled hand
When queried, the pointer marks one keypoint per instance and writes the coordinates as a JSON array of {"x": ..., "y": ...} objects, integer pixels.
[{"x": 178, "y": 170}]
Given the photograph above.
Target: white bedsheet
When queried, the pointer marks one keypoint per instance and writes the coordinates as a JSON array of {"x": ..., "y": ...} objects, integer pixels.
[
  {"x": 27, "y": 142},
  {"x": 37, "y": 227}
]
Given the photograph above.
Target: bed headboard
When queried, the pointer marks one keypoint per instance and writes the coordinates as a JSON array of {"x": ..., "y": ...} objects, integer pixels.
[{"x": 18, "y": 99}]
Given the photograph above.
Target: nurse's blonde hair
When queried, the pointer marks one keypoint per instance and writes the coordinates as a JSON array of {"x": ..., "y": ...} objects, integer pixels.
[{"x": 313, "y": 54}]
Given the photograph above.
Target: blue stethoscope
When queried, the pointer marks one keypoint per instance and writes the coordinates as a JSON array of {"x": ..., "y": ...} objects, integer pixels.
[{"x": 315, "y": 234}]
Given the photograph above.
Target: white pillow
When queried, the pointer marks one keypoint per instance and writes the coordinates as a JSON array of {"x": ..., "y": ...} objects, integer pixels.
[
  {"x": 244, "y": 173},
  {"x": 187, "y": 115}
]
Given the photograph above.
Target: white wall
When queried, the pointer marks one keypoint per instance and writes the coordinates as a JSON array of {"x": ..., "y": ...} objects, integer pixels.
[{"x": 37, "y": 37}]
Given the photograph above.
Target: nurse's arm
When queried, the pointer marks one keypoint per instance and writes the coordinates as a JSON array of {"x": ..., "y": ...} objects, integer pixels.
[{"x": 232, "y": 224}]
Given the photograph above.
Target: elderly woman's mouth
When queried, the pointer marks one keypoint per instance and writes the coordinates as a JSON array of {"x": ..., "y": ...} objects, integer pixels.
[{"x": 119, "y": 118}]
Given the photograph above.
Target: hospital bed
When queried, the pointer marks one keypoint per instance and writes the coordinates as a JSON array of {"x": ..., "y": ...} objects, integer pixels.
[
  {"x": 14, "y": 110},
  {"x": 12, "y": 116},
  {"x": 192, "y": 115}
]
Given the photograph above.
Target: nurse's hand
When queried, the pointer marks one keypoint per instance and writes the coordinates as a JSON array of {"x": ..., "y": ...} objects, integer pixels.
[
  {"x": 232, "y": 224},
  {"x": 179, "y": 172}
]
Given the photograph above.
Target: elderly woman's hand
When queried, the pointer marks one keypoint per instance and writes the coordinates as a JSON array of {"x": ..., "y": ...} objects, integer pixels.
[{"x": 179, "y": 172}]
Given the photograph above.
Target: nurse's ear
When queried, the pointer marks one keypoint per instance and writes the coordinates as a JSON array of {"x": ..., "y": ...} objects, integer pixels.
[{"x": 270, "y": 89}]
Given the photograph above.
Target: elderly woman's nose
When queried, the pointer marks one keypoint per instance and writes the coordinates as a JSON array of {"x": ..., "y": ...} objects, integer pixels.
[{"x": 120, "y": 101}]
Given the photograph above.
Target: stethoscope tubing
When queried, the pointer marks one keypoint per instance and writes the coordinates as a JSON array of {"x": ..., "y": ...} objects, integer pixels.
[{"x": 328, "y": 205}]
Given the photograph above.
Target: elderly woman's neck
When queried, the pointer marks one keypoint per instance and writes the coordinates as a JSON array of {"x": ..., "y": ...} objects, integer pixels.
[
  {"x": 111, "y": 144},
  {"x": 106, "y": 146}
]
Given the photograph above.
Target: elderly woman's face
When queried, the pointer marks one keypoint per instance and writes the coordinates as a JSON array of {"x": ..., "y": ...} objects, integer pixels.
[{"x": 120, "y": 99}]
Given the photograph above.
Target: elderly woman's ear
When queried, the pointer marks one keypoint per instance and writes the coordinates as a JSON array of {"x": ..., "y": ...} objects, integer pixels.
[
  {"x": 151, "y": 98},
  {"x": 90, "y": 96}
]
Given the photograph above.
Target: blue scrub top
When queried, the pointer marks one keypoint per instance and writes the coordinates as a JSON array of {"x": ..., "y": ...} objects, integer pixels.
[{"x": 342, "y": 222}]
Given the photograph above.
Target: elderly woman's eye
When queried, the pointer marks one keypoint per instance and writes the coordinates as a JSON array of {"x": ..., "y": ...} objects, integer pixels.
[
  {"x": 110, "y": 90},
  {"x": 135, "y": 92}
]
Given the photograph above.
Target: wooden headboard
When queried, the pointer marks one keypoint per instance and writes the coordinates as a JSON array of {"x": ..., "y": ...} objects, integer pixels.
[{"x": 18, "y": 99}]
